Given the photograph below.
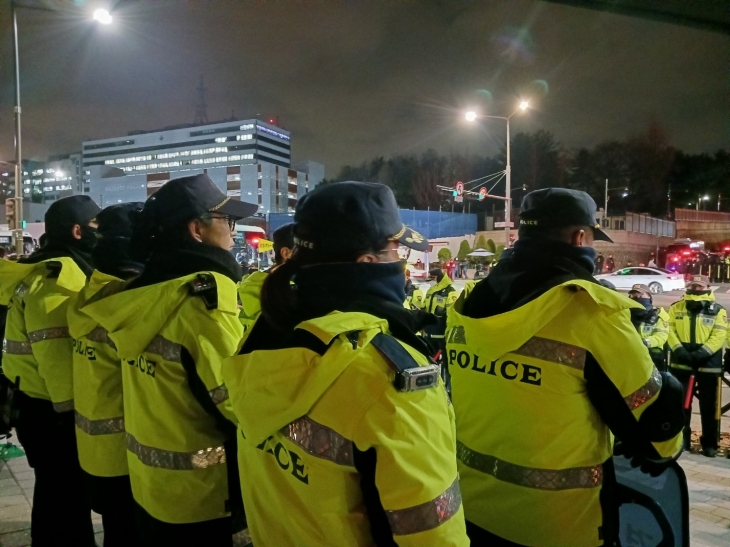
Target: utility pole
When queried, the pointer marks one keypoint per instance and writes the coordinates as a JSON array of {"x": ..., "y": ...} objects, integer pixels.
[{"x": 18, "y": 148}]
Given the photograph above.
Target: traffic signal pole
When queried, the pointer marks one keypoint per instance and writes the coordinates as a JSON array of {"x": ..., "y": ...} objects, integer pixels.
[{"x": 18, "y": 152}]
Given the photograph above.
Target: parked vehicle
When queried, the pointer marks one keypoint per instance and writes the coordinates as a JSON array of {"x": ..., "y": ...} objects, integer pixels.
[{"x": 658, "y": 279}]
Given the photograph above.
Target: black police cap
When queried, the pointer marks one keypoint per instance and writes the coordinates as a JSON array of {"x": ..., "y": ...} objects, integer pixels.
[
  {"x": 558, "y": 208},
  {"x": 186, "y": 198},
  {"x": 63, "y": 214},
  {"x": 352, "y": 215},
  {"x": 117, "y": 220}
]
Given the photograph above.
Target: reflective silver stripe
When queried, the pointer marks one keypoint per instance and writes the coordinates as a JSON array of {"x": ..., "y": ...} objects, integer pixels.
[
  {"x": 65, "y": 406},
  {"x": 169, "y": 351},
  {"x": 167, "y": 459},
  {"x": 320, "y": 441},
  {"x": 530, "y": 477},
  {"x": 99, "y": 427},
  {"x": 457, "y": 335},
  {"x": 12, "y": 347},
  {"x": 242, "y": 539},
  {"x": 426, "y": 516},
  {"x": 709, "y": 369},
  {"x": 219, "y": 394},
  {"x": 53, "y": 333},
  {"x": 645, "y": 392},
  {"x": 708, "y": 349},
  {"x": 553, "y": 351},
  {"x": 22, "y": 289},
  {"x": 100, "y": 335}
]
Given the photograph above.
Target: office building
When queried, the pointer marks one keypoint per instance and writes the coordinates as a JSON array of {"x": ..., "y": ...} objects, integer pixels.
[{"x": 249, "y": 160}]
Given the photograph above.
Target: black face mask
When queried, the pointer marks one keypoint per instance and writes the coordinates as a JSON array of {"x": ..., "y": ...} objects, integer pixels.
[
  {"x": 88, "y": 239},
  {"x": 646, "y": 302}
]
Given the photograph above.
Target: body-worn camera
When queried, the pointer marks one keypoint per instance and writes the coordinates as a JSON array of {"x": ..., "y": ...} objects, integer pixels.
[{"x": 417, "y": 378}]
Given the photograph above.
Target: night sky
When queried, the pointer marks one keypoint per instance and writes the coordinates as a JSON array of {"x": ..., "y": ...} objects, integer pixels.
[{"x": 355, "y": 80}]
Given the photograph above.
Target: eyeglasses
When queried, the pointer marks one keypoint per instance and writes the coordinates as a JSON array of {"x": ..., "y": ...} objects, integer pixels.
[{"x": 229, "y": 219}]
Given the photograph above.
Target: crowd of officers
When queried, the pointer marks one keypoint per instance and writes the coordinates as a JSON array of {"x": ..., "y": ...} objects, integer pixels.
[{"x": 302, "y": 406}]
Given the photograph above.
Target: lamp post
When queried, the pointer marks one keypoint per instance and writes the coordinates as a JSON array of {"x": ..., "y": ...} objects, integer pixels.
[
  {"x": 605, "y": 197},
  {"x": 471, "y": 116},
  {"x": 100, "y": 15}
]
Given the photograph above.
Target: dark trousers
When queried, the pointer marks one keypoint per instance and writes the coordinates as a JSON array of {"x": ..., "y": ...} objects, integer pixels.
[
  {"x": 210, "y": 533},
  {"x": 61, "y": 512},
  {"x": 479, "y": 537},
  {"x": 111, "y": 497},
  {"x": 707, "y": 393}
]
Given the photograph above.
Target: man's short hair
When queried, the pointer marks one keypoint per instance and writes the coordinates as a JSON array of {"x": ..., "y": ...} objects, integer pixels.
[{"x": 283, "y": 237}]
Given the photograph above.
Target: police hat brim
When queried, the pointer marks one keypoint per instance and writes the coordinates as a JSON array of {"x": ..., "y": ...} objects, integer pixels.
[
  {"x": 236, "y": 209},
  {"x": 411, "y": 238},
  {"x": 600, "y": 235}
]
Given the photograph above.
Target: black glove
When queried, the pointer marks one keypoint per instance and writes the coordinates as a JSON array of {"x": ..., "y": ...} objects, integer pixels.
[
  {"x": 681, "y": 355},
  {"x": 699, "y": 357},
  {"x": 726, "y": 361},
  {"x": 636, "y": 460}
]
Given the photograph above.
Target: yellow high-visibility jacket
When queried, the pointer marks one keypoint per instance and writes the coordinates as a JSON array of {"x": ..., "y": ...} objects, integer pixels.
[
  {"x": 171, "y": 344},
  {"x": 655, "y": 333},
  {"x": 440, "y": 297},
  {"x": 97, "y": 375},
  {"x": 249, "y": 291},
  {"x": 37, "y": 346},
  {"x": 320, "y": 413},
  {"x": 532, "y": 445},
  {"x": 704, "y": 331}
]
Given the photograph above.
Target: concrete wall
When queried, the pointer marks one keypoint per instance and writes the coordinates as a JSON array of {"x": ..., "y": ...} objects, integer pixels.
[
  {"x": 712, "y": 233},
  {"x": 626, "y": 246}
]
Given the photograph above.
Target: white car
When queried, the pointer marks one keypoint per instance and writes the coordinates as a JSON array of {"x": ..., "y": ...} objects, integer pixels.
[{"x": 658, "y": 279}]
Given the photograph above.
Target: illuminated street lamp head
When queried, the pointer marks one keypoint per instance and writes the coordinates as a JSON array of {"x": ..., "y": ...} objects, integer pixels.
[
  {"x": 524, "y": 105},
  {"x": 470, "y": 116},
  {"x": 705, "y": 198},
  {"x": 102, "y": 16}
]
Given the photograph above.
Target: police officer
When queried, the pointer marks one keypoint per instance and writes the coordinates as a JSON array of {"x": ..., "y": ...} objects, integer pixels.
[
  {"x": 249, "y": 290},
  {"x": 652, "y": 324},
  {"x": 38, "y": 354},
  {"x": 98, "y": 383},
  {"x": 414, "y": 294},
  {"x": 172, "y": 327},
  {"x": 697, "y": 332},
  {"x": 346, "y": 432},
  {"x": 439, "y": 297},
  {"x": 545, "y": 365}
]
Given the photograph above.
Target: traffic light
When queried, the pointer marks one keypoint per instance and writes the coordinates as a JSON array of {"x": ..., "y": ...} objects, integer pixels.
[{"x": 10, "y": 213}]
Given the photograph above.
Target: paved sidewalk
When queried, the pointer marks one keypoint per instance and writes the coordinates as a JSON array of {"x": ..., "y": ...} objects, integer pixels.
[
  {"x": 708, "y": 481},
  {"x": 16, "y": 500}
]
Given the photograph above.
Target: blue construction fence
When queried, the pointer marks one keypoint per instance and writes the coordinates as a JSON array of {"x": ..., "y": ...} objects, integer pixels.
[{"x": 431, "y": 224}]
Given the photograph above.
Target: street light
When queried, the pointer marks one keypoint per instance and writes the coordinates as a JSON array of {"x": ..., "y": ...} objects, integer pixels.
[
  {"x": 101, "y": 16},
  {"x": 472, "y": 116}
]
